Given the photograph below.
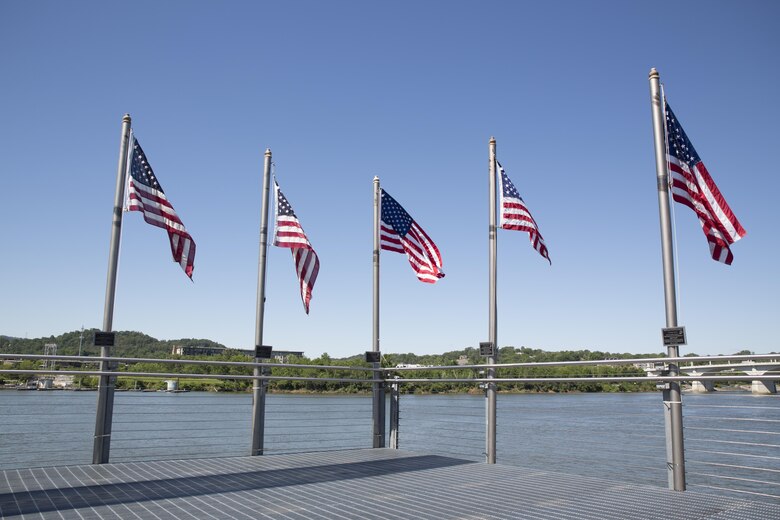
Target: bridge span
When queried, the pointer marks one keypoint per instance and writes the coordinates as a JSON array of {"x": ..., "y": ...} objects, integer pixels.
[{"x": 748, "y": 367}]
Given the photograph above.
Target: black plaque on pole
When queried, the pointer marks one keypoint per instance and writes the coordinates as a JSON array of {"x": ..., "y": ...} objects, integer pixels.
[
  {"x": 673, "y": 336},
  {"x": 372, "y": 357},
  {"x": 486, "y": 349},
  {"x": 263, "y": 351},
  {"x": 104, "y": 339}
]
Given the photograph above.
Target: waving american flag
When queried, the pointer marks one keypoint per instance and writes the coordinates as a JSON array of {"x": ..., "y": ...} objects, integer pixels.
[
  {"x": 289, "y": 233},
  {"x": 515, "y": 214},
  {"x": 146, "y": 195},
  {"x": 693, "y": 187},
  {"x": 401, "y": 234}
]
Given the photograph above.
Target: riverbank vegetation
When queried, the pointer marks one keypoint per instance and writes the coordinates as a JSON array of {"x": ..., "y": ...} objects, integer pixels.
[{"x": 139, "y": 345}]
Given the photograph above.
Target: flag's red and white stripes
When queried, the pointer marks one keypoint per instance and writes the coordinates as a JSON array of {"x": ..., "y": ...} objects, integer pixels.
[
  {"x": 423, "y": 255},
  {"x": 157, "y": 210},
  {"x": 516, "y": 216},
  {"x": 289, "y": 233},
  {"x": 401, "y": 234},
  {"x": 693, "y": 186}
]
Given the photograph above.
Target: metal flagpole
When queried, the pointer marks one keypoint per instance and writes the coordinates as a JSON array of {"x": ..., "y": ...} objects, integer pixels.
[
  {"x": 672, "y": 398},
  {"x": 490, "y": 451},
  {"x": 105, "y": 405},
  {"x": 377, "y": 218},
  {"x": 378, "y": 403},
  {"x": 258, "y": 385}
]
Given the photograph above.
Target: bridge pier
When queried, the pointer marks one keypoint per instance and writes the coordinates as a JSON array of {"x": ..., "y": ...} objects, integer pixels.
[
  {"x": 701, "y": 387},
  {"x": 761, "y": 387}
]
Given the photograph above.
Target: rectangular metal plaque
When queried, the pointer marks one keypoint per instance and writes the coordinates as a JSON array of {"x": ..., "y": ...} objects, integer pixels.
[
  {"x": 104, "y": 339},
  {"x": 263, "y": 351},
  {"x": 486, "y": 349},
  {"x": 673, "y": 336},
  {"x": 372, "y": 357}
]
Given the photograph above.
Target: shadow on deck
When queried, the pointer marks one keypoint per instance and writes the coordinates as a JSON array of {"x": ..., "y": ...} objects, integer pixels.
[{"x": 378, "y": 483}]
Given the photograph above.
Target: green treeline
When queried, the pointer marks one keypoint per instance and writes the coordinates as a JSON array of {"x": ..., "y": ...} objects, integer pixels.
[
  {"x": 138, "y": 345},
  {"x": 522, "y": 355},
  {"x": 128, "y": 344}
]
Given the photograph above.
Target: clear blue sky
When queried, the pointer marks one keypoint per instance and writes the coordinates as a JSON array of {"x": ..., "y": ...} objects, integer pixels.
[{"x": 409, "y": 91}]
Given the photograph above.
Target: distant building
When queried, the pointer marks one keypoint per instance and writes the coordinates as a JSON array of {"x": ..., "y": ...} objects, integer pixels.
[
  {"x": 63, "y": 381},
  {"x": 179, "y": 350},
  {"x": 282, "y": 356}
]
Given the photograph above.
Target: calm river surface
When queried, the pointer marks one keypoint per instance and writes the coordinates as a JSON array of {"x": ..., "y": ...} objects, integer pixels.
[{"x": 732, "y": 439}]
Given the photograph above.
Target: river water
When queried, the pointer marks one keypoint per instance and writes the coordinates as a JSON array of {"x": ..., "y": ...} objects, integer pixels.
[{"x": 732, "y": 439}]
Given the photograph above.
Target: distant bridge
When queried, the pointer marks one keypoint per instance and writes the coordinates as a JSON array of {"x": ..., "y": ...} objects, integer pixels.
[{"x": 757, "y": 368}]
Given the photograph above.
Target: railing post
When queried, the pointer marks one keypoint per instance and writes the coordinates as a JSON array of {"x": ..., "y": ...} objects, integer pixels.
[
  {"x": 378, "y": 406},
  {"x": 394, "y": 413},
  {"x": 101, "y": 445},
  {"x": 259, "y": 390}
]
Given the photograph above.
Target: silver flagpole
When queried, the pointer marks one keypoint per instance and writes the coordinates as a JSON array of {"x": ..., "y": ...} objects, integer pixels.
[
  {"x": 490, "y": 451},
  {"x": 377, "y": 218},
  {"x": 102, "y": 442},
  {"x": 258, "y": 385},
  {"x": 675, "y": 452},
  {"x": 378, "y": 404}
]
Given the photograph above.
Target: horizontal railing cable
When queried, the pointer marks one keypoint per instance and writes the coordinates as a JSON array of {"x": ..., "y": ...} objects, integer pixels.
[
  {"x": 740, "y": 479},
  {"x": 245, "y": 364},
  {"x": 737, "y": 466},
  {"x": 756, "y": 432},
  {"x": 745, "y": 419},
  {"x": 722, "y": 441},
  {"x": 738, "y": 492},
  {"x": 692, "y": 406},
  {"x": 733, "y": 454}
]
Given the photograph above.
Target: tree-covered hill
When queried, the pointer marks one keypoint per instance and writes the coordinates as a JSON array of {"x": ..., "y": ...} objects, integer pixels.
[
  {"x": 133, "y": 344},
  {"x": 140, "y": 345},
  {"x": 128, "y": 344}
]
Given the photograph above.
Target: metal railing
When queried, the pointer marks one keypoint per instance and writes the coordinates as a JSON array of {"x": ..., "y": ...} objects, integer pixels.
[
  {"x": 734, "y": 445},
  {"x": 550, "y": 439},
  {"x": 616, "y": 435},
  {"x": 729, "y": 448}
]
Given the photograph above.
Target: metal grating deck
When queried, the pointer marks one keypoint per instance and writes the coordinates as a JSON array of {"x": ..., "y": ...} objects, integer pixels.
[{"x": 360, "y": 484}]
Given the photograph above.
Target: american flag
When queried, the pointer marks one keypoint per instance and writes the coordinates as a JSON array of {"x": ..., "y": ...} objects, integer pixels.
[
  {"x": 515, "y": 214},
  {"x": 401, "y": 234},
  {"x": 146, "y": 195},
  {"x": 289, "y": 233},
  {"x": 693, "y": 187}
]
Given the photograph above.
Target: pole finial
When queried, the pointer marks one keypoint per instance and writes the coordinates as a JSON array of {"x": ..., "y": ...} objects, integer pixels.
[
  {"x": 376, "y": 178},
  {"x": 126, "y": 118},
  {"x": 268, "y": 152},
  {"x": 654, "y": 73},
  {"x": 492, "y": 140}
]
